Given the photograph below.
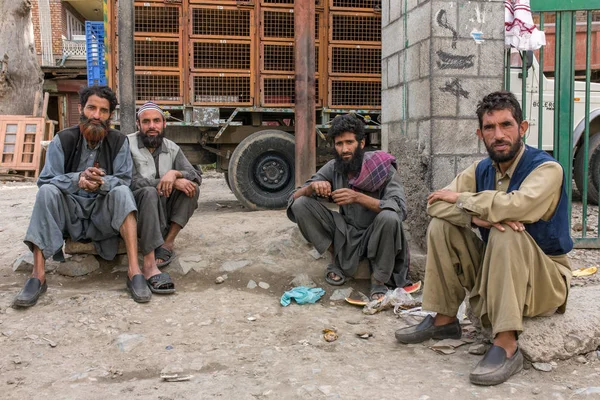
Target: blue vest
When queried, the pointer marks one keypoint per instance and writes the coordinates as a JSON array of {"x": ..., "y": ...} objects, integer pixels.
[{"x": 553, "y": 236}]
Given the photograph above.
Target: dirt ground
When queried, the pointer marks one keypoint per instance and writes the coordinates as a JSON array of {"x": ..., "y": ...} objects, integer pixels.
[{"x": 86, "y": 338}]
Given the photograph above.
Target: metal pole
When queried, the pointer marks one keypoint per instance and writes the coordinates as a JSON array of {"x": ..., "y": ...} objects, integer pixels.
[
  {"x": 126, "y": 67},
  {"x": 305, "y": 118}
]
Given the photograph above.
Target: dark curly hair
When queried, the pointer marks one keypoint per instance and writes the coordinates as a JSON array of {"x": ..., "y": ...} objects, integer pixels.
[
  {"x": 103, "y": 92},
  {"x": 346, "y": 123},
  {"x": 496, "y": 101}
]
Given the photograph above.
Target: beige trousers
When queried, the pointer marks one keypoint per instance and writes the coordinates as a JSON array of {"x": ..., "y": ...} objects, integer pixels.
[{"x": 508, "y": 279}]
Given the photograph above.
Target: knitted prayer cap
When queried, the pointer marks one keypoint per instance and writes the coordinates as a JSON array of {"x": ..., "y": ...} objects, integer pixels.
[{"x": 150, "y": 106}]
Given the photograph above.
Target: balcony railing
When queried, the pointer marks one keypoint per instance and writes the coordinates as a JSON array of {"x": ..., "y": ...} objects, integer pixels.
[{"x": 74, "y": 49}]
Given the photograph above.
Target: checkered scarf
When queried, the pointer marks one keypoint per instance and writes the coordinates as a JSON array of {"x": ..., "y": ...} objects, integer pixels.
[{"x": 374, "y": 171}]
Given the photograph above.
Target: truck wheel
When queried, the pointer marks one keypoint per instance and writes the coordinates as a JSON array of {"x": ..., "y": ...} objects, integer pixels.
[
  {"x": 593, "y": 161},
  {"x": 226, "y": 176},
  {"x": 261, "y": 170}
]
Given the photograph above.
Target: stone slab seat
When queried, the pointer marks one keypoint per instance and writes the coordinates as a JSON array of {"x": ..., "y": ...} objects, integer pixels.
[{"x": 72, "y": 247}]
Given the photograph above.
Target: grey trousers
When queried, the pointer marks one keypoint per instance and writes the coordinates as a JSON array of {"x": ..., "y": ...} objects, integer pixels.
[
  {"x": 383, "y": 243},
  {"x": 57, "y": 215},
  {"x": 156, "y": 213}
]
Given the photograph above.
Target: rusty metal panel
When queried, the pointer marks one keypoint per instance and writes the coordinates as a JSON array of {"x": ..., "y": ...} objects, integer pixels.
[
  {"x": 159, "y": 86},
  {"x": 156, "y": 53},
  {"x": 156, "y": 19},
  {"x": 350, "y": 27},
  {"x": 278, "y": 58},
  {"x": 353, "y": 60},
  {"x": 280, "y": 91},
  {"x": 223, "y": 22},
  {"x": 278, "y": 24},
  {"x": 220, "y": 55},
  {"x": 356, "y": 5}
]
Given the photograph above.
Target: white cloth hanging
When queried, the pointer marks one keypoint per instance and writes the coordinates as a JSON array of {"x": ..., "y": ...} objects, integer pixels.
[{"x": 520, "y": 31}]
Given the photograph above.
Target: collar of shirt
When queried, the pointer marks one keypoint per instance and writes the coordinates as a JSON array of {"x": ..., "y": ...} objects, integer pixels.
[
  {"x": 511, "y": 170},
  {"x": 85, "y": 144}
]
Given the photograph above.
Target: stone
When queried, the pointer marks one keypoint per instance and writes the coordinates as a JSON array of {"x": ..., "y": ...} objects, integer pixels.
[
  {"x": 544, "y": 367},
  {"x": 264, "y": 285},
  {"x": 78, "y": 265},
  {"x": 581, "y": 360},
  {"x": 230, "y": 266},
  {"x": 340, "y": 294},
  {"x": 478, "y": 349},
  {"x": 219, "y": 280},
  {"x": 303, "y": 280},
  {"x": 563, "y": 336},
  {"x": 315, "y": 254},
  {"x": 251, "y": 284},
  {"x": 127, "y": 341},
  {"x": 536, "y": 390},
  {"x": 72, "y": 247},
  {"x": 24, "y": 263}
]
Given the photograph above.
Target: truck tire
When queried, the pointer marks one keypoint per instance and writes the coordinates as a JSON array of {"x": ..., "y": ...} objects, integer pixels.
[
  {"x": 593, "y": 160},
  {"x": 261, "y": 170},
  {"x": 226, "y": 176}
]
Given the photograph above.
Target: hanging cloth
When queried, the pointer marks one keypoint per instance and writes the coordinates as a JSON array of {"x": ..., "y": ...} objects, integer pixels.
[{"x": 521, "y": 33}]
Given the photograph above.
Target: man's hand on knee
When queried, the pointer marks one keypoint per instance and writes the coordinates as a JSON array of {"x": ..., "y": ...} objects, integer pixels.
[
  {"x": 515, "y": 225},
  {"x": 186, "y": 186}
]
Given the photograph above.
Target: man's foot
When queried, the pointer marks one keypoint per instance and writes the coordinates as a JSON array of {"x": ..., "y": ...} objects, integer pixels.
[
  {"x": 427, "y": 330},
  {"x": 378, "y": 291},
  {"x": 29, "y": 295},
  {"x": 496, "y": 367},
  {"x": 163, "y": 256},
  {"x": 161, "y": 283},
  {"x": 138, "y": 287},
  {"x": 334, "y": 276}
]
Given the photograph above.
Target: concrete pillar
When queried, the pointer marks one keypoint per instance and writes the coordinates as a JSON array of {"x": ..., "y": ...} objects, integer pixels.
[
  {"x": 439, "y": 58},
  {"x": 126, "y": 67}
]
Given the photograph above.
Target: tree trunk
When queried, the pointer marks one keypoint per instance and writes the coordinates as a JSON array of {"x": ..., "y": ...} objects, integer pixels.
[{"x": 20, "y": 74}]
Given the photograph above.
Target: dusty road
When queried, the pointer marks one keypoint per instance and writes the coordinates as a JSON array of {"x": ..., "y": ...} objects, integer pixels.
[{"x": 234, "y": 342}]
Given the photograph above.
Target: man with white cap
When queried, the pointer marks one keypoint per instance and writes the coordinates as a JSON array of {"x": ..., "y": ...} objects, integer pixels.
[{"x": 166, "y": 189}]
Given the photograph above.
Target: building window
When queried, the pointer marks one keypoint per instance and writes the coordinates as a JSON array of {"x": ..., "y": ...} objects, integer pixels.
[{"x": 74, "y": 26}]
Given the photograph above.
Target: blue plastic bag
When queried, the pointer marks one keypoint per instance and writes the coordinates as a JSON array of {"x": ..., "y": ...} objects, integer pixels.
[{"x": 302, "y": 295}]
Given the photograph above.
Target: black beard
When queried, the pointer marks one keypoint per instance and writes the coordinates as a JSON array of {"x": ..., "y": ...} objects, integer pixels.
[
  {"x": 152, "y": 142},
  {"x": 504, "y": 157},
  {"x": 352, "y": 166}
]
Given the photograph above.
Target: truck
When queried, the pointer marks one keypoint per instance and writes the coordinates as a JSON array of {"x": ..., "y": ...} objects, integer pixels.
[
  {"x": 224, "y": 71},
  {"x": 533, "y": 102}
]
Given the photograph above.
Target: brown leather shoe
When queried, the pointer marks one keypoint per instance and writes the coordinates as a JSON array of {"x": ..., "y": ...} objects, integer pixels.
[
  {"x": 427, "y": 330},
  {"x": 495, "y": 367}
]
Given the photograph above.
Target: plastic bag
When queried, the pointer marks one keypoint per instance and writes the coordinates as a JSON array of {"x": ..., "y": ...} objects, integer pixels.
[{"x": 302, "y": 295}]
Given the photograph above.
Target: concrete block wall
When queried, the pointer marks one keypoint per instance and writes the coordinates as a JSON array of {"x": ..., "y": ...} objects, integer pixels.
[{"x": 433, "y": 74}]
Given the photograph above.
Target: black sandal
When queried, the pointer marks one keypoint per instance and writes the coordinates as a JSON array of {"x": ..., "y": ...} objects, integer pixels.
[
  {"x": 160, "y": 253},
  {"x": 161, "y": 284},
  {"x": 331, "y": 268}
]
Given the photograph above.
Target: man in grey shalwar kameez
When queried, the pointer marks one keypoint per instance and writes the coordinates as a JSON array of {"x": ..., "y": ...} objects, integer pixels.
[
  {"x": 166, "y": 189},
  {"x": 84, "y": 194},
  {"x": 367, "y": 188}
]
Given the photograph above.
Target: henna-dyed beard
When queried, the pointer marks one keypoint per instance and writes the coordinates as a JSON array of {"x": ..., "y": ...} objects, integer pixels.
[{"x": 93, "y": 130}]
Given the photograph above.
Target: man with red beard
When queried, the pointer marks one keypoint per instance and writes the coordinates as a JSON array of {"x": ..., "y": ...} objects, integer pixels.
[
  {"x": 367, "y": 189},
  {"x": 519, "y": 268},
  {"x": 84, "y": 194},
  {"x": 166, "y": 189}
]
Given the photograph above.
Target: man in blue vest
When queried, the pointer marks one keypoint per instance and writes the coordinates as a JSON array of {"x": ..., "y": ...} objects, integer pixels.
[{"x": 519, "y": 267}]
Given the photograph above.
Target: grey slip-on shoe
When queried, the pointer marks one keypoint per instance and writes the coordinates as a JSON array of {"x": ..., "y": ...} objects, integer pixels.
[
  {"x": 495, "y": 368},
  {"x": 427, "y": 330}
]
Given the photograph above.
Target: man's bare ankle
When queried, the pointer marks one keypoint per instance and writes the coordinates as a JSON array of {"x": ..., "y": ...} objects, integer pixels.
[{"x": 441, "y": 319}]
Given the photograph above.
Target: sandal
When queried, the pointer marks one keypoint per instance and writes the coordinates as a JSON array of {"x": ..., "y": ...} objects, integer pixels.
[
  {"x": 331, "y": 268},
  {"x": 161, "y": 253},
  {"x": 161, "y": 284},
  {"x": 377, "y": 289}
]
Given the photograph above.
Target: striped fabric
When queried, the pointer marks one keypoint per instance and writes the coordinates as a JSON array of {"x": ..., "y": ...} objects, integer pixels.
[
  {"x": 150, "y": 106},
  {"x": 374, "y": 171}
]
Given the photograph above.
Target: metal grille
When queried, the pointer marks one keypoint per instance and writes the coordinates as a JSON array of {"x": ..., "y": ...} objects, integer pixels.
[
  {"x": 221, "y": 22},
  {"x": 355, "y": 60},
  {"x": 280, "y": 91},
  {"x": 153, "y": 53},
  {"x": 221, "y": 55},
  {"x": 355, "y": 27},
  {"x": 279, "y": 24},
  {"x": 157, "y": 87},
  {"x": 222, "y": 90},
  {"x": 157, "y": 19},
  {"x": 355, "y": 93},
  {"x": 283, "y": 2},
  {"x": 279, "y": 57},
  {"x": 370, "y": 4}
]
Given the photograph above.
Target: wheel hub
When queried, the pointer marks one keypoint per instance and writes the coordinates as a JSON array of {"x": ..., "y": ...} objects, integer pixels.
[{"x": 272, "y": 172}]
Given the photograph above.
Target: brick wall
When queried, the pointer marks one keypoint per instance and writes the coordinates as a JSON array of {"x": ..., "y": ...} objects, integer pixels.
[{"x": 57, "y": 24}]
